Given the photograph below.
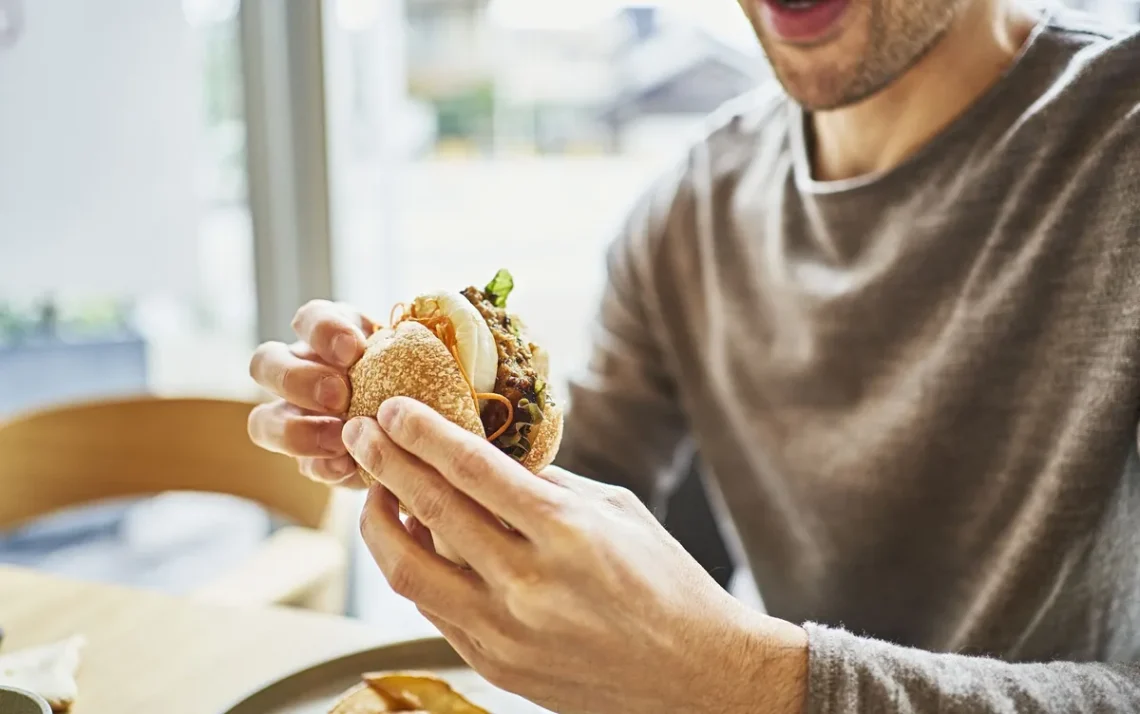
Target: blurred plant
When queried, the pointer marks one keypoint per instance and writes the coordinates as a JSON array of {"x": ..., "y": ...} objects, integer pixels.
[
  {"x": 48, "y": 319},
  {"x": 467, "y": 114}
]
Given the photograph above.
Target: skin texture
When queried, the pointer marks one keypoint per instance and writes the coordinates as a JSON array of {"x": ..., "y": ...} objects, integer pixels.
[
  {"x": 589, "y": 606},
  {"x": 892, "y": 74},
  {"x": 874, "y": 44},
  {"x": 583, "y": 604},
  {"x": 309, "y": 382}
]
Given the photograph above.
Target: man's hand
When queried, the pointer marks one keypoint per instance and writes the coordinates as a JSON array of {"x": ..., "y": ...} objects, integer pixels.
[
  {"x": 584, "y": 604},
  {"x": 310, "y": 377}
]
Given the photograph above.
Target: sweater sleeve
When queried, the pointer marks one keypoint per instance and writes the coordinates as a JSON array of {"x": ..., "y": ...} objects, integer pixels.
[{"x": 849, "y": 674}]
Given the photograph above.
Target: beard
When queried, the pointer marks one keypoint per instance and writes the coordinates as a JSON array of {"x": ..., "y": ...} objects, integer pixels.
[{"x": 880, "y": 41}]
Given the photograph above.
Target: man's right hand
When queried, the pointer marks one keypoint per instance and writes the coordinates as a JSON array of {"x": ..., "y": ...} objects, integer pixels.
[{"x": 310, "y": 379}]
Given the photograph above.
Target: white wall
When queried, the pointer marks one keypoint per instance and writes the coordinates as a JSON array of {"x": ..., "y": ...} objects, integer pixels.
[{"x": 99, "y": 126}]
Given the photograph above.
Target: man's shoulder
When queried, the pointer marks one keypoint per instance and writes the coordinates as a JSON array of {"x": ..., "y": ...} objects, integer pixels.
[
  {"x": 1087, "y": 106},
  {"x": 750, "y": 128},
  {"x": 761, "y": 110},
  {"x": 1087, "y": 59},
  {"x": 1080, "y": 28}
]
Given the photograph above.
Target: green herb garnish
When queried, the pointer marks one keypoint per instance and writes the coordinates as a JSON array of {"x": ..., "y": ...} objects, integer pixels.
[{"x": 499, "y": 289}]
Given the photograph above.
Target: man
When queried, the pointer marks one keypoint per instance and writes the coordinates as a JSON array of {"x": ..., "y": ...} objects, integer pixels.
[{"x": 896, "y": 308}]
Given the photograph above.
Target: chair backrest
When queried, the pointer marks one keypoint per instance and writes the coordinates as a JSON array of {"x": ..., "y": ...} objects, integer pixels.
[{"x": 79, "y": 454}]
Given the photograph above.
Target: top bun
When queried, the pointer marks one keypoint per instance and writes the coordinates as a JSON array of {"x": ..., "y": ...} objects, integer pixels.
[{"x": 410, "y": 361}]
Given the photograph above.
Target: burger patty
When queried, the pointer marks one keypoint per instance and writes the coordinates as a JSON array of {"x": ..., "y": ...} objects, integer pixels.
[{"x": 516, "y": 379}]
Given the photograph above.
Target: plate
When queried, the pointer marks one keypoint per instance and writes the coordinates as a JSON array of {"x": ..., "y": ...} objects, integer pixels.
[
  {"x": 313, "y": 690},
  {"x": 21, "y": 701}
]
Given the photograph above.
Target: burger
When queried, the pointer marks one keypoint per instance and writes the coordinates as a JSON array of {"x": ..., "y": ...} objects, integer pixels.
[{"x": 465, "y": 355}]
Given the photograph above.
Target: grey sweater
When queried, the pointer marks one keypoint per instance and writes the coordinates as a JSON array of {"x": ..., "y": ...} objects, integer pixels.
[{"x": 916, "y": 393}]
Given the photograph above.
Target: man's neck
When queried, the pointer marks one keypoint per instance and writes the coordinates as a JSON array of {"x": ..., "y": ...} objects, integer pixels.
[{"x": 880, "y": 132}]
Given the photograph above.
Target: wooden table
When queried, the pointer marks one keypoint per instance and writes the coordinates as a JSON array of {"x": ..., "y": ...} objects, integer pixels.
[{"x": 148, "y": 652}]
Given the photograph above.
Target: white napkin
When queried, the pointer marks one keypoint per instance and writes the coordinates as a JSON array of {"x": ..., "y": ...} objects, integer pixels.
[{"x": 47, "y": 670}]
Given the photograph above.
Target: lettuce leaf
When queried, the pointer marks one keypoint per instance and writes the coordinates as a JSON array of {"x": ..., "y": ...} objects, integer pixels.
[{"x": 499, "y": 289}]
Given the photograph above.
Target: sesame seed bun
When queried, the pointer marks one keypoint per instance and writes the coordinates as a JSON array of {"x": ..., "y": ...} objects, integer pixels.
[
  {"x": 544, "y": 440},
  {"x": 410, "y": 361}
]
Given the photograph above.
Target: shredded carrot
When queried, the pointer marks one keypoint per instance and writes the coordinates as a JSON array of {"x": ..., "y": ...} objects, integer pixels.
[
  {"x": 443, "y": 328},
  {"x": 398, "y": 307},
  {"x": 510, "y": 414}
]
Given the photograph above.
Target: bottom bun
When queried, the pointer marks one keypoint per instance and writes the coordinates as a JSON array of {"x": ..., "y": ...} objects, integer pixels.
[{"x": 545, "y": 438}]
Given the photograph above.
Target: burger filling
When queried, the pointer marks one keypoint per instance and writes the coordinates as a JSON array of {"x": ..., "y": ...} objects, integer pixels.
[{"x": 517, "y": 378}]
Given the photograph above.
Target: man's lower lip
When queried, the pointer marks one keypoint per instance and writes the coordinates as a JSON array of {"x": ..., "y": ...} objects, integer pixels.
[{"x": 803, "y": 24}]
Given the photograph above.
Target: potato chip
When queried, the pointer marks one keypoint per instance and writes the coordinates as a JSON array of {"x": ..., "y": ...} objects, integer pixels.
[
  {"x": 362, "y": 699},
  {"x": 411, "y": 692},
  {"x": 423, "y": 690}
]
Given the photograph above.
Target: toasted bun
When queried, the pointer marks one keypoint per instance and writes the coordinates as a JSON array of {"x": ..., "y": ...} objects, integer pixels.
[
  {"x": 547, "y": 436},
  {"x": 544, "y": 440},
  {"x": 410, "y": 361}
]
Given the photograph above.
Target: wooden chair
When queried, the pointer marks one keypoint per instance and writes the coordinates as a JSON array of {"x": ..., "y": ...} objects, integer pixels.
[{"x": 80, "y": 454}]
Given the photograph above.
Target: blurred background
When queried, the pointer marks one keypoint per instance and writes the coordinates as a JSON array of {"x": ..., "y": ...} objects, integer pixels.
[{"x": 177, "y": 176}]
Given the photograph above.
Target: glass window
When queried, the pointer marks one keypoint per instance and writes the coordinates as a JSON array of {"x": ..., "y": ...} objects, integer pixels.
[{"x": 125, "y": 252}]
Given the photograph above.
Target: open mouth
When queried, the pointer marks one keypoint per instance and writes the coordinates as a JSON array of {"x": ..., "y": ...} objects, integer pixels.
[{"x": 802, "y": 21}]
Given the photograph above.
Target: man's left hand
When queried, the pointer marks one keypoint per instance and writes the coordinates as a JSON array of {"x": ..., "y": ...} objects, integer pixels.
[{"x": 584, "y": 604}]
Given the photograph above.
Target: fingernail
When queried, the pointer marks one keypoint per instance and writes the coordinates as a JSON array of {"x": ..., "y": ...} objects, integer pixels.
[
  {"x": 344, "y": 349},
  {"x": 330, "y": 439},
  {"x": 388, "y": 413},
  {"x": 332, "y": 392},
  {"x": 353, "y": 433},
  {"x": 343, "y": 467}
]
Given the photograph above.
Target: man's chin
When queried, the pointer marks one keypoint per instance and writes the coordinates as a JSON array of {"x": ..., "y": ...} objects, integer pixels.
[{"x": 817, "y": 90}]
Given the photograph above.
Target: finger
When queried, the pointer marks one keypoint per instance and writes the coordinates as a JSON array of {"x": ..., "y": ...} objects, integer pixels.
[
  {"x": 469, "y": 648},
  {"x": 286, "y": 429},
  {"x": 339, "y": 471},
  {"x": 308, "y": 384},
  {"x": 468, "y": 528},
  {"x": 420, "y": 533},
  {"x": 412, "y": 572},
  {"x": 472, "y": 465},
  {"x": 463, "y": 645},
  {"x": 335, "y": 331},
  {"x": 571, "y": 482}
]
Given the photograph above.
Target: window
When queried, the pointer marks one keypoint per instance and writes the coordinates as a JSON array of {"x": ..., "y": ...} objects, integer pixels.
[
  {"x": 126, "y": 262},
  {"x": 1118, "y": 10}
]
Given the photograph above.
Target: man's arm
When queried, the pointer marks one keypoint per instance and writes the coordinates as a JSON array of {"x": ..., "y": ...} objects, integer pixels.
[{"x": 849, "y": 674}]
